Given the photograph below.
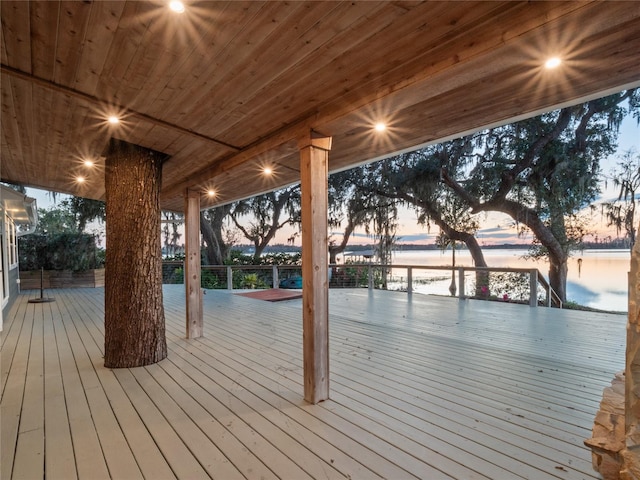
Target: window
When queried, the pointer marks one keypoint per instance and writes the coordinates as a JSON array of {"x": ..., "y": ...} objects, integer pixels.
[{"x": 12, "y": 244}]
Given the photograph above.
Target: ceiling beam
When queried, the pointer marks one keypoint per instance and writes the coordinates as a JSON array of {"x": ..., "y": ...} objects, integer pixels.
[
  {"x": 289, "y": 133},
  {"x": 56, "y": 87}
]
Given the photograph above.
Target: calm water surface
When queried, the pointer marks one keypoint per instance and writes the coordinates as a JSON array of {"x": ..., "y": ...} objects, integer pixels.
[{"x": 601, "y": 281}]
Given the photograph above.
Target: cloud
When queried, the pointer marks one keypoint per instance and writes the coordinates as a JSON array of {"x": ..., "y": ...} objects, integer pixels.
[
  {"x": 414, "y": 237},
  {"x": 500, "y": 235},
  {"x": 484, "y": 231}
]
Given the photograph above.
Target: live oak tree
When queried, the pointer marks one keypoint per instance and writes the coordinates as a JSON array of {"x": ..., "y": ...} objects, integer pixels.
[
  {"x": 413, "y": 179},
  {"x": 542, "y": 171},
  {"x": 351, "y": 207},
  {"x": 85, "y": 210},
  {"x": 621, "y": 212},
  {"x": 217, "y": 237},
  {"x": 270, "y": 212}
]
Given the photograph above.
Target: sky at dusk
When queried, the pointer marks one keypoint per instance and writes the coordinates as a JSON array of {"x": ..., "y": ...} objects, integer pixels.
[
  {"x": 498, "y": 228},
  {"x": 495, "y": 228}
]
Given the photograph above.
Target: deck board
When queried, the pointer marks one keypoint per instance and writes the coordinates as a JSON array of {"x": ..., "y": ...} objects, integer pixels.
[
  {"x": 88, "y": 455},
  {"x": 59, "y": 461},
  {"x": 14, "y": 365},
  {"x": 29, "y": 454},
  {"x": 441, "y": 417},
  {"x": 421, "y": 387}
]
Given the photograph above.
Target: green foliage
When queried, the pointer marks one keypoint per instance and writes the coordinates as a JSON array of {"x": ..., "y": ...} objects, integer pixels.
[
  {"x": 236, "y": 257},
  {"x": 54, "y": 221},
  {"x": 210, "y": 280},
  {"x": 216, "y": 277},
  {"x": 62, "y": 251},
  {"x": 58, "y": 242},
  {"x": 84, "y": 210},
  {"x": 172, "y": 273},
  {"x": 503, "y": 286},
  {"x": 542, "y": 171},
  {"x": 351, "y": 275},
  {"x": 250, "y": 280}
]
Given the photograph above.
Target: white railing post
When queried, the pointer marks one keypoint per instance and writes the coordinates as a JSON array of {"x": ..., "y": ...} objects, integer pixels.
[
  {"x": 409, "y": 280},
  {"x": 276, "y": 283},
  {"x": 533, "y": 287},
  {"x": 461, "y": 283},
  {"x": 370, "y": 273},
  {"x": 229, "y": 278}
]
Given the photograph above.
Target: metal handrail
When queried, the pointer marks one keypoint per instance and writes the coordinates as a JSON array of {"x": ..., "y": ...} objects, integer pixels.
[
  {"x": 552, "y": 296},
  {"x": 535, "y": 276}
]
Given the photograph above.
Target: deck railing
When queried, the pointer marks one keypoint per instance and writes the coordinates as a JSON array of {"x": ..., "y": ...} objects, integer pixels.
[{"x": 519, "y": 285}]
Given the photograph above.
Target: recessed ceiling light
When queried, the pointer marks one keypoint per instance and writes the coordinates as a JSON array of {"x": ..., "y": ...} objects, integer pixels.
[
  {"x": 113, "y": 120},
  {"x": 267, "y": 170},
  {"x": 89, "y": 163},
  {"x": 553, "y": 62},
  {"x": 80, "y": 179},
  {"x": 211, "y": 193},
  {"x": 176, "y": 6},
  {"x": 380, "y": 127}
]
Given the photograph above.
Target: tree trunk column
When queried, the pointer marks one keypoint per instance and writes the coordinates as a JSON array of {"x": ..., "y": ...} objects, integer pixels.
[
  {"x": 314, "y": 156},
  {"x": 632, "y": 372},
  {"x": 134, "y": 314},
  {"x": 192, "y": 264}
]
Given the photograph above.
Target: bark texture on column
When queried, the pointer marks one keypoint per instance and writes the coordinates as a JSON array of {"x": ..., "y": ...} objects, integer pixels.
[
  {"x": 134, "y": 314},
  {"x": 193, "y": 265},
  {"x": 631, "y": 454},
  {"x": 314, "y": 153}
]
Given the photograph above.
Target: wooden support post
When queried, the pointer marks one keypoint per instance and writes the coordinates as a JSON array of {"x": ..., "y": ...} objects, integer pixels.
[
  {"x": 461, "y": 293},
  {"x": 192, "y": 264},
  {"x": 314, "y": 156},
  {"x": 409, "y": 280},
  {"x": 229, "y": 278}
]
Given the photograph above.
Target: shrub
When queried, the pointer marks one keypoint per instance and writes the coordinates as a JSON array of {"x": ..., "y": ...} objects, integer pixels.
[{"x": 62, "y": 251}]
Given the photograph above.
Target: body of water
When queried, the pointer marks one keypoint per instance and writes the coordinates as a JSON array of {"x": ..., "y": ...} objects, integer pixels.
[{"x": 599, "y": 280}]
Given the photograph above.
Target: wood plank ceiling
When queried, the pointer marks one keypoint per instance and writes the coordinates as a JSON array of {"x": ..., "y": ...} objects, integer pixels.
[{"x": 226, "y": 88}]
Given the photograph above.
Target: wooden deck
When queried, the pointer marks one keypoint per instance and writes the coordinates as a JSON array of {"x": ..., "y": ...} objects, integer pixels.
[{"x": 421, "y": 387}]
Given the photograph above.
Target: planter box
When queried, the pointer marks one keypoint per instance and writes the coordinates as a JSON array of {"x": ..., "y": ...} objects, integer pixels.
[{"x": 30, "y": 280}]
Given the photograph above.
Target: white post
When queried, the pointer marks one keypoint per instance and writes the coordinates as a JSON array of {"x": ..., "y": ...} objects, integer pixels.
[
  {"x": 533, "y": 287},
  {"x": 409, "y": 280},
  {"x": 461, "y": 282}
]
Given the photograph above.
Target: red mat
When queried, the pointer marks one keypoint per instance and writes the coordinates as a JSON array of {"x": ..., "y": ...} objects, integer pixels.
[{"x": 273, "y": 294}]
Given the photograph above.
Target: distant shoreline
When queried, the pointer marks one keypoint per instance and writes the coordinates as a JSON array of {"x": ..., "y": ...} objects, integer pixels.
[{"x": 404, "y": 247}]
